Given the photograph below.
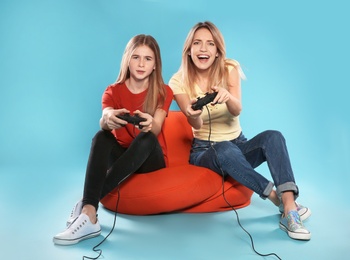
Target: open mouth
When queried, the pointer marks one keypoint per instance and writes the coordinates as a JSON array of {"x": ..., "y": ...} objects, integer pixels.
[{"x": 203, "y": 57}]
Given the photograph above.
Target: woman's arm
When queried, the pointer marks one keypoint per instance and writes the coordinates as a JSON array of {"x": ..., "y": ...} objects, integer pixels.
[
  {"x": 234, "y": 104},
  {"x": 193, "y": 116},
  {"x": 232, "y": 95}
]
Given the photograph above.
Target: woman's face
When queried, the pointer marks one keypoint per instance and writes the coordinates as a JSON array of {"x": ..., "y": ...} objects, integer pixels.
[
  {"x": 203, "y": 49},
  {"x": 142, "y": 63}
]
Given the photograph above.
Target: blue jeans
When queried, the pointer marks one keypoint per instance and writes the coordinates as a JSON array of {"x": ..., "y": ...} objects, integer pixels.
[{"x": 239, "y": 157}]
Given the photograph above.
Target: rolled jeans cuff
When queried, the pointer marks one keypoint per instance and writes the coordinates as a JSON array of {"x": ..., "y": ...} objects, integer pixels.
[
  {"x": 288, "y": 186},
  {"x": 267, "y": 190}
]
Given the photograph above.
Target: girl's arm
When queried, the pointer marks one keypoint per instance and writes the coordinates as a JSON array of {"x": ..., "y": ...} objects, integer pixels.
[
  {"x": 158, "y": 120},
  {"x": 153, "y": 124},
  {"x": 109, "y": 119}
]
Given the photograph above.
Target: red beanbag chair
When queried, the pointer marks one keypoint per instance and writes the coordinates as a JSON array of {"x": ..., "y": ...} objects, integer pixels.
[{"x": 180, "y": 187}]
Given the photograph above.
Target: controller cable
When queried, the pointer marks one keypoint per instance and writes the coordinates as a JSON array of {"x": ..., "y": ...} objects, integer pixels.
[
  {"x": 224, "y": 196},
  {"x": 95, "y": 248},
  {"x": 99, "y": 251}
]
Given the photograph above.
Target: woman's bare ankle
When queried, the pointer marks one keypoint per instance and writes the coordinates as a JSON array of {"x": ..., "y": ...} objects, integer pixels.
[
  {"x": 274, "y": 198},
  {"x": 288, "y": 201}
]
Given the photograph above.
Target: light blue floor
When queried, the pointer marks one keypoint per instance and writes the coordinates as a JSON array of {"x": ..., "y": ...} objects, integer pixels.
[
  {"x": 32, "y": 214},
  {"x": 56, "y": 59}
]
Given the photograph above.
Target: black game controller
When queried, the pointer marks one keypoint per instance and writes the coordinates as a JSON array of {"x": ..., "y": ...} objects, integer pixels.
[
  {"x": 201, "y": 102},
  {"x": 135, "y": 120}
]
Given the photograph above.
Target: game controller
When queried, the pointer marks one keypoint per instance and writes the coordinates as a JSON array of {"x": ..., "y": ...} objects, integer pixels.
[
  {"x": 201, "y": 102},
  {"x": 135, "y": 120}
]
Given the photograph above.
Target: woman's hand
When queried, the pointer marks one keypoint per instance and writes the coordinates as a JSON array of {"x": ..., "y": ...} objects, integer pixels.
[
  {"x": 231, "y": 97},
  {"x": 185, "y": 104},
  {"x": 193, "y": 114},
  {"x": 223, "y": 95}
]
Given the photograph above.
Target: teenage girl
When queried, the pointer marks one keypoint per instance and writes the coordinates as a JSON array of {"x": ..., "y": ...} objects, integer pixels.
[{"x": 120, "y": 148}]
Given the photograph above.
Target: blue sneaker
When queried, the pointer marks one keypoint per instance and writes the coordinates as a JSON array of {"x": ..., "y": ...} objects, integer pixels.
[
  {"x": 303, "y": 212},
  {"x": 294, "y": 226}
]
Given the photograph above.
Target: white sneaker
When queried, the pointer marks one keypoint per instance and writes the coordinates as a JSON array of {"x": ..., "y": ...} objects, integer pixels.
[
  {"x": 75, "y": 212},
  {"x": 80, "y": 229}
]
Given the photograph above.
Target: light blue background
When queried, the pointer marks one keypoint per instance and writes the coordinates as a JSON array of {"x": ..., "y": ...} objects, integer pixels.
[{"x": 57, "y": 57}]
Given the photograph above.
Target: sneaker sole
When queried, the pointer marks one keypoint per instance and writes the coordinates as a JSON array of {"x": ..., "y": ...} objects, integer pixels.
[
  {"x": 294, "y": 235},
  {"x": 67, "y": 242}
]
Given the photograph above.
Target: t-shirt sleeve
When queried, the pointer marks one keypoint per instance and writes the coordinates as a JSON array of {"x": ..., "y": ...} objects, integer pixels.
[
  {"x": 168, "y": 99},
  {"x": 107, "y": 98},
  {"x": 175, "y": 83}
]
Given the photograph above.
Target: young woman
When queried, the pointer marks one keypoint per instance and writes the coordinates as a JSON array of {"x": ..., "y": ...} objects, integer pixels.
[
  {"x": 219, "y": 143},
  {"x": 121, "y": 148}
]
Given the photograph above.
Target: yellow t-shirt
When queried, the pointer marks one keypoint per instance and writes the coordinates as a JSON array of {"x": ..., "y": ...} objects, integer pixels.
[{"x": 219, "y": 124}]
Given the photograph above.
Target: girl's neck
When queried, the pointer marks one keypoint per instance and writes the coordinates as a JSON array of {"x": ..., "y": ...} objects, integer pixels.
[{"x": 135, "y": 86}]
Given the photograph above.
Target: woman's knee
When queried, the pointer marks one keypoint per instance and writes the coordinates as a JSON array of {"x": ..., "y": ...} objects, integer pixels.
[{"x": 274, "y": 135}]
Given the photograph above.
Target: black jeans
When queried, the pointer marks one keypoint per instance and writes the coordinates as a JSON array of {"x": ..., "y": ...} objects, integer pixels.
[{"x": 109, "y": 163}]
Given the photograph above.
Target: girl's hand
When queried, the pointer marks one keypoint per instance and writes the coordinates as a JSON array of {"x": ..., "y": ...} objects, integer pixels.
[
  {"x": 146, "y": 125},
  {"x": 111, "y": 121}
]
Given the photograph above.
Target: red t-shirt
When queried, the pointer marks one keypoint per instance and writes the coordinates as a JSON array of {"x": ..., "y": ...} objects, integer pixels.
[{"x": 119, "y": 96}]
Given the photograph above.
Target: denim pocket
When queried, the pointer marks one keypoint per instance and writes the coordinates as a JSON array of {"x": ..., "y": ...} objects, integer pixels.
[
  {"x": 198, "y": 148},
  {"x": 241, "y": 139}
]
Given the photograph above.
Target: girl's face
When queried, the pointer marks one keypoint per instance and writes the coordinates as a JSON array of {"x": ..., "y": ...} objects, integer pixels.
[
  {"x": 142, "y": 63},
  {"x": 203, "y": 49}
]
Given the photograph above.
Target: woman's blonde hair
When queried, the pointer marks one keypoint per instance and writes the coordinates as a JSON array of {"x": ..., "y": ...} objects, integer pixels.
[
  {"x": 156, "y": 93},
  {"x": 218, "y": 73}
]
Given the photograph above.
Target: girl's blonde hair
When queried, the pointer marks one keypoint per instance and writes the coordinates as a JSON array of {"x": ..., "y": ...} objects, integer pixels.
[
  {"x": 156, "y": 93},
  {"x": 218, "y": 73}
]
